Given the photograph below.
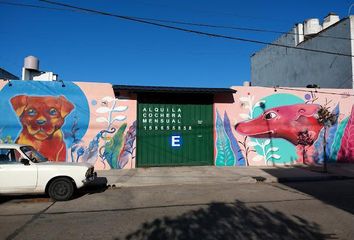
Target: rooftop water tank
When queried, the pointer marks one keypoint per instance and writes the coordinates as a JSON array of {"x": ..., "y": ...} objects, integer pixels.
[
  {"x": 32, "y": 63},
  {"x": 330, "y": 19}
]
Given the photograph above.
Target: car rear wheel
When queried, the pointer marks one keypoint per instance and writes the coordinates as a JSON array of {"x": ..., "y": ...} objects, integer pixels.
[{"x": 61, "y": 189}]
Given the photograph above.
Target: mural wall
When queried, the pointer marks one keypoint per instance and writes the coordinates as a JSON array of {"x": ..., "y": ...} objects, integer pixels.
[
  {"x": 267, "y": 126},
  {"x": 84, "y": 122},
  {"x": 71, "y": 122}
]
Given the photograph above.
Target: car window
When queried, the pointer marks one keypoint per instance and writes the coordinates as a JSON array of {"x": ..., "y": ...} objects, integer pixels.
[
  {"x": 9, "y": 156},
  {"x": 32, "y": 154}
]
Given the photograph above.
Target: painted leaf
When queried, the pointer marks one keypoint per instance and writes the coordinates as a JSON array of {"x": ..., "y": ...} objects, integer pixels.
[
  {"x": 90, "y": 152},
  {"x": 112, "y": 147},
  {"x": 331, "y": 133},
  {"x": 266, "y": 142},
  {"x": 225, "y": 156},
  {"x": 103, "y": 110},
  {"x": 346, "y": 151},
  {"x": 338, "y": 139},
  {"x": 244, "y": 116},
  {"x": 272, "y": 149},
  {"x": 240, "y": 160},
  {"x": 128, "y": 148},
  {"x": 107, "y": 99},
  {"x": 119, "y": 118},
  {"x": 244, "y": 99},
  {"x": 120, "y": 109},
  {"x": 257, "y": 158},
  {"x": 318, "y": 144},
  {"x": 102, "y": 119},
  {"x": 276, "y": 156}
]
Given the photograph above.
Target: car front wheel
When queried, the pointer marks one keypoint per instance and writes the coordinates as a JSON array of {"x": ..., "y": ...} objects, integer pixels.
[{"x": 61, "y": 189}]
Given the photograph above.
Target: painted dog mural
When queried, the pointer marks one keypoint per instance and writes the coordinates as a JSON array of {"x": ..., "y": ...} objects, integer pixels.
[
  {"x": 284, "y": 127},
  {"x": 71, "y": 122},
  {"x": 42, "y": 118}
]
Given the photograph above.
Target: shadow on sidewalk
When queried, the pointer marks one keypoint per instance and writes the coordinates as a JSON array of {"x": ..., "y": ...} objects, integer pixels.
[
  {"x": 333, "y": 190},
  {"x": 230, "y": 221},
  {"x": 337, "y": 193}
]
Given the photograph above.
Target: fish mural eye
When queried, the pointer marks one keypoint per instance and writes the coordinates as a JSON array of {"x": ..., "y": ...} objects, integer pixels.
[{"x": 270, "y": 115}]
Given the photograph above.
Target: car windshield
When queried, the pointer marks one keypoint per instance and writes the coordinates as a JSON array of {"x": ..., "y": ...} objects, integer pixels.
[{"x": 32, "y": 154}]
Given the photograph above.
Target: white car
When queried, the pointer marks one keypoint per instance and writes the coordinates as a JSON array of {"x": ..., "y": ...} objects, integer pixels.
[{"x": 23, "y": 170}]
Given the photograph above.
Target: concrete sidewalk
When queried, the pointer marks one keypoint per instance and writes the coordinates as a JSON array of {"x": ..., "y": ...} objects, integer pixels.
[{"x": 211, "y": 174}]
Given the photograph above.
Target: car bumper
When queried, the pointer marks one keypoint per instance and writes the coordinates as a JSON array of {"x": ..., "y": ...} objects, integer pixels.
[{"x": 90, "y": 178}]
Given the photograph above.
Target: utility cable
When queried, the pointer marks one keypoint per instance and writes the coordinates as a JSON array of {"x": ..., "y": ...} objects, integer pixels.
[
  {"x": 35, "y": 6},
  {"x": 194, "y": 31},
  {"x": 187, "y": 23},
  {"x": 237, "y": 28},
  {"x": 315, "y": 90}
]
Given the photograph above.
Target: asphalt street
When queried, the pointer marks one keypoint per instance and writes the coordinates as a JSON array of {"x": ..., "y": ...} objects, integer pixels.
[{"x": 301, "y": 210}]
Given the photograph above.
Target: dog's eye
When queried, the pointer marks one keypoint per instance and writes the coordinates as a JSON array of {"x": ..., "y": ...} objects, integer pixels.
[
  {"x": 270, "y": 115},
  {"x": 53, "y": 111},
  {"x": 31, "y": 112}
]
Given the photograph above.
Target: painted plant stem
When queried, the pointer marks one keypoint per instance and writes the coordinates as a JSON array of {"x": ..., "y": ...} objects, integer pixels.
[{"x": 246, "y": 149}]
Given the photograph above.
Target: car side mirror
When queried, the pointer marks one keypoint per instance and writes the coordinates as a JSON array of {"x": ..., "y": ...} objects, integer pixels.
[{"x": 24, "y": 161}]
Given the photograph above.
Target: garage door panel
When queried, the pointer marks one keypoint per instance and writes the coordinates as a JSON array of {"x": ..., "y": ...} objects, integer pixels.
[{"x": 174, "y": 134}]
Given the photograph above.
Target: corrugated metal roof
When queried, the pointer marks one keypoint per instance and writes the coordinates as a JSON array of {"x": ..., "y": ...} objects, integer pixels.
[
  {"x": 156, "y": 89},
  {"x": 6, "y": 75}
]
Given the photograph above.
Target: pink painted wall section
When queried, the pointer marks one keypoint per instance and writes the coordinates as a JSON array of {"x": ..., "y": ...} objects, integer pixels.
[
  {"x": 117, "y": 118},
  {"x": 264, "y": 126},
  {"x": 75, "y": 122}
]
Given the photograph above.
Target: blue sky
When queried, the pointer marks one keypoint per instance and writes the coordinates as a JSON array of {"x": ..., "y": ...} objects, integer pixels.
[{"x": 93, "y": 48}]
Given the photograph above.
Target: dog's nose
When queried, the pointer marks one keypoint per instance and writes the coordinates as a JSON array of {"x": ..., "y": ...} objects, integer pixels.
[{"x": 41, "y": 122}]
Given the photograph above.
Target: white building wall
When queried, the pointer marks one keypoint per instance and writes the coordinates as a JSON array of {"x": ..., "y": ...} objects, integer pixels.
[{"x": 274, "y": 66}]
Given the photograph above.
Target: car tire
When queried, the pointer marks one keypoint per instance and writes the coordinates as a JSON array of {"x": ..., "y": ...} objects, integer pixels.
[{"x": 61, "y": 189}]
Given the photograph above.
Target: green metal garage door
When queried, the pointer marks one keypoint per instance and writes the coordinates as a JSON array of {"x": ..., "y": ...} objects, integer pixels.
[{"x": 174, "y": 134}]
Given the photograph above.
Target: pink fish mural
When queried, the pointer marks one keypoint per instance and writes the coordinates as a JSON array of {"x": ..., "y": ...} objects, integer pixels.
[{"x": 285, "y": 122}]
